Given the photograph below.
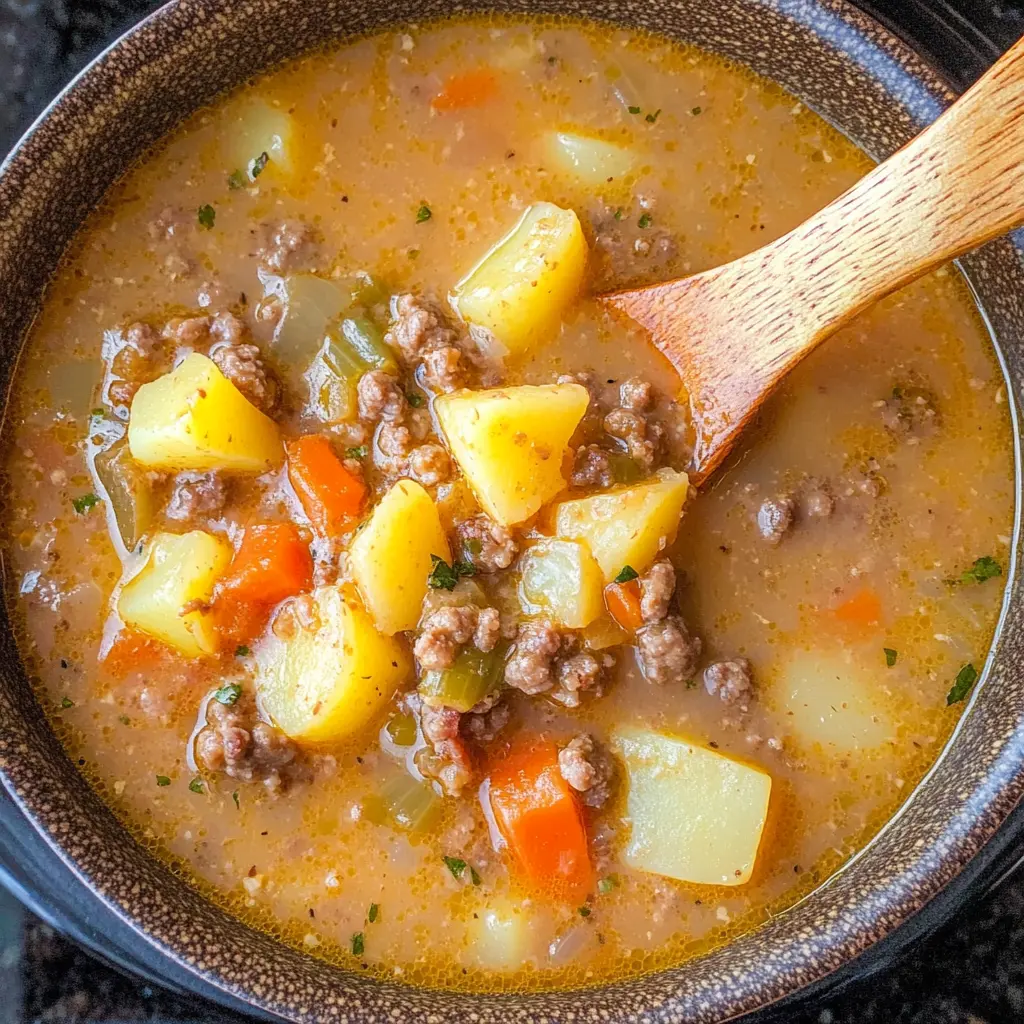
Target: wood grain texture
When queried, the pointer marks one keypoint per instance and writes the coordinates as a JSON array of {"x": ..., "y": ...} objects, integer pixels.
[{"x": 735, "y": 331}]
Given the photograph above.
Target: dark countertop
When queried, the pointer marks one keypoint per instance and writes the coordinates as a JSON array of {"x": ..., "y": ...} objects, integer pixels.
[{"x": 970, "y": 972}]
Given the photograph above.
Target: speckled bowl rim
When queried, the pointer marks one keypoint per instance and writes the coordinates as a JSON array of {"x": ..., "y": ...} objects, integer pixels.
[{"x": 869, "y": 899}]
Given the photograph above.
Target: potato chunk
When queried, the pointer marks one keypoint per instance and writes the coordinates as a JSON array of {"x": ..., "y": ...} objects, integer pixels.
[
  {"x": 696, "y": 815},
  {"x": 195, "y": 418},
  {"x": 510, "y": 443},
  {"x": 179, "y": 573},
  {"x": 523, "y": 285},
  {"x": 561, "y": 578},
  {"x": 589, "y": 160},
  {"x": 334, "y": 678},
  {"x": 391, "y": 556},
  {"x": 262, "y": 128},
  {"x": 627, "y": 526}
]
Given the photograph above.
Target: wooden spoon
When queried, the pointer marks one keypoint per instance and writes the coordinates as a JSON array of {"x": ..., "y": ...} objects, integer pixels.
[{"x": 735, "y": 331}]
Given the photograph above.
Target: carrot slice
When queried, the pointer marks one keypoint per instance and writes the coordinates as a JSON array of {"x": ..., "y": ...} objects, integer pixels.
[
  {"x": 133, "y": 651},
  {"x": 623, "y": 602},
  {"x": 466, "y": 89},
  {"x": 273, "y": 562},
  {"x": 541, "y": 820},
  {"x": 331, "y": 496},
  {"x": 862, "y": 609}
]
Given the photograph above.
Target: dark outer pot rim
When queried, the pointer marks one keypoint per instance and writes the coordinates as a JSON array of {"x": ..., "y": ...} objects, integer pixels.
[{"x": 878, "y": 916}]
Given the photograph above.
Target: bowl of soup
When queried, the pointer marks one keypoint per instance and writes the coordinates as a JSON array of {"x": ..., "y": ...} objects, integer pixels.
[{"x": 368, "y": 651}]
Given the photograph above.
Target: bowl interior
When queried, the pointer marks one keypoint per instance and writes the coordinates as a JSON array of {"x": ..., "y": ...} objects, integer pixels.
[{"x": 834, "y": 59}]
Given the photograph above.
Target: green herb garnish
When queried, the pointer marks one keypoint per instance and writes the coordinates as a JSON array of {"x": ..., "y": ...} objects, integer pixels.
[
  {"x": 359, "y": 452},
  {"x": 626, "y": 574},
  {"x": 474, "y": 546},
  {"x": 607, "y": 884},
  {"x": 162, "y": 780},
  {"x": 207, "y": 215},
  {"x": 234, "y": 796},
  {"x": 241, "y": 651},
  {"x": 584, "y": 911},
  {"x": 444, "y": 576},
  {"x": 633, "y": 110},
  {"x": 124, "y": 720},
  {"x": 965, "y": 679},
  {"x": 67, "y": 702},
  {"x": 414, "y": 398},
  {"x": 358, "y": 944},
  {"x": 259, "y": 165},
  {"x": 236, "y": 180},
  {"x": 651, "y": 118},
  {"x": 372, "y": 913},
  {"x": 984, "y": 568},
  {"x": 473, "y": 876},
  {"x": 84, "y": 502},
  {"x": 455, "y": 866},
  {"x": 195, "y": 786},
  {"x": 890, "y": 656},
  {"x": 228, "y": 694},
  {"x": 424, "y": 213},
  {"x": 694, "y": 111},
  {"x": 619, "y": 213},
  {"x": 645, "y": 221}
]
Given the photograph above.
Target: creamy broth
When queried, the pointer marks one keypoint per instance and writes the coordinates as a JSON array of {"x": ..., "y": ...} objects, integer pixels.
[{"x": 889, "y": 449}]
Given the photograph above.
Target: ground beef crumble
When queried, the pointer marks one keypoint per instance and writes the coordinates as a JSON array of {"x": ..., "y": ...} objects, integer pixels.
[
  {"x": 592, "y": 467},
  {"x": 588, "y": 768},
  {"x": 545, "y": 660},
  {"x": 667, "y": 651},
  {"x": 487, "y": 544},
  {"x": 242, "y": 363},
  {"x": 731, "y": 681},
  {"x": 775, "y": 517},
  {"x": 197, "y": 497},
  {"x": 287, "y": 246},
  {"x": 631, "y": 424},
  {"x": 424, "y": 336},
  {"x": 447, "y": 629},
  {"x": 624, "y": 252},
  {"x": 657, "y": 586}
]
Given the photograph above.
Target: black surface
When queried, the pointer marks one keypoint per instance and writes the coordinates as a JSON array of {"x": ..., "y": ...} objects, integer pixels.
[{"x": 970, "y": 972}]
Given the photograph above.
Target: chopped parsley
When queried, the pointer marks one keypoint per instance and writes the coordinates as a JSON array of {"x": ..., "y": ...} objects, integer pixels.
[
  {"x": 695, "y": 111},
  {"x": 984, "y": 568},
  {"x": 626, "y": 575},
  {"x": 444, "y": 576},
  {"x": 67, "y": 702},
  {"x": 619, "y": 213},
  {"x": 645, "y": 221},
  {"x": 84, "y": 502},
  {"x": 473, "y": 876},
  {"x": 414, "y": 398},
  {"x": 455, "y": 866},
  {"x": 196, "y": 786},
  {"x": 424, "y": 213},
  {"x": 234, "y": 796},
  {"x": 124, "y": 720},
  {"x": 236, "y": 180},
  {"x": 162, "y": 780},
  {"x": 228, "y": 694},
  {"x": 241, "y": 651},
  {"x": 358, "y": 944},
  {"x": 371, "y": 914},
  {"x": 207, "y": 215},
  {"x": 259, "y": 165},
  {"x": 651, "y": 118},
  {"x": 359, "y": 452},
  {"x": 607, "y": 884},
  {"x": 890, "y": 656},
  {"x": 965, "y": 679},
  {"x": 474, "y": 545},
  {"x": 633, "y": 110},
  {"x": 584, "y": 911}
]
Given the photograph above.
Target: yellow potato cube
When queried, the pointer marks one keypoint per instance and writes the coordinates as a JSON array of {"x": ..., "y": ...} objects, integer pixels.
[
  {"x": 391, "y": 556},
  {"x": 331, "y": 681},
  {"x": 262, "y": 128},
  {"x": 510, "y": 443},
  {"x": 560, "y": 578},
  {"x": 523, "y": 285},
  {"x": 696, "y": 815},
  {"x": 195, "y": 418},
  {"x": 589, "y": 160},
  {"x": 627, "y": 526},
  {"x": 179, "y": 572}
]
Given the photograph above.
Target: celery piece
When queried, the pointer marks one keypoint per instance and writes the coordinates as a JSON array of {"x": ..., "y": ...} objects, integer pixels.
[
  {"x": 366, "y": 340},
  {"x": 470, "y": 678},
  {"x": 129, "y": 492},
  {"x": 312, "y": 305},
  {"x": 401, "y": 729},
  {"x": 404, "y": 801},
  {"x": 626, "y": 470},
  {"x": 332, "y": 378}
]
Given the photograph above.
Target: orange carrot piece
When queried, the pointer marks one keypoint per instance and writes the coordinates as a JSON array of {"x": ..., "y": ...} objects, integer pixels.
[
  {"x": 466, "y": 89},
  {"x": 862, "y": 609},
  {"x": 272, "y": 563},
  {"x": 541, "y": 820},
  {"x": 331, "y": 496},
  {"x": 133, "y": 651},
  {"x": 623, "y": 602}
]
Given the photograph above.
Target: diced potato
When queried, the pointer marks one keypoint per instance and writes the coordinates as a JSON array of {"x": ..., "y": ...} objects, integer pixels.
[
  {"x": 500, "y": 936},
  {"x": 179, "y": 572},
  {"x": 510, "y": 443},
  {"x": 391, "y": 556},
  {"x": 195, "y": 418},
  {"x": 591, "y": 161},
  {"x": 561, "y": 578},
  {"x": 626, "y": 526},
  {"x": 696, "y": 815},
  {"x": 523, "y": 285},
  {"x": 264, "y": 128},
  {"x": 326, "y": 683},
  {"x": 605, "y": 632},
  {"x": 825, "y": 700}
]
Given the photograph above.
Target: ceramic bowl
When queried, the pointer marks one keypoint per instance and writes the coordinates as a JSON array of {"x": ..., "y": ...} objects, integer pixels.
[{"x": 77, "y": 863}]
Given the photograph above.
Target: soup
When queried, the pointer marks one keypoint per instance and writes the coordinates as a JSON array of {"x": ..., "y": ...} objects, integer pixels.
[{"x": 350, "y": 542}]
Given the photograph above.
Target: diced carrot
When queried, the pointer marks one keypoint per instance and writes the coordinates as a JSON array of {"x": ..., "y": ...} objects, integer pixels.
[
  {"x": 133, "y": 651},
  {"x": 273, "y": 562},
  {"x": 862, "y": 609},
  {"x": 623, "y": 602},
  {"x": 331, "y": 496},
  {"x": 238, "y": 622},
  {"x": 466, "y": 89},
  {"x": 541, "y": 820}
]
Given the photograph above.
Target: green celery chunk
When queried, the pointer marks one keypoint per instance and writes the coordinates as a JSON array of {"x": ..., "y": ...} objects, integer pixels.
[
  {"x": 129, "y": 492},
  {"x": 366, "y": 341},
  {"x": 470, "y": 678},
  {"x": 625, "y": 469},
  {"x": 401, "y": 729},
  {"x": 404, "y": 801}
]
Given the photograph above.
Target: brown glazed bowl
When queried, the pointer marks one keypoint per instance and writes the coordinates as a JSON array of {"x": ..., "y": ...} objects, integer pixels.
[{"x": 70, "y": 852}]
